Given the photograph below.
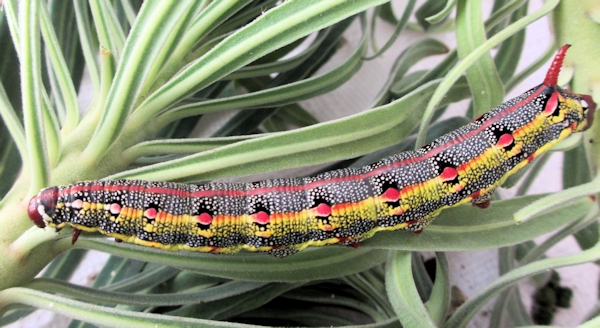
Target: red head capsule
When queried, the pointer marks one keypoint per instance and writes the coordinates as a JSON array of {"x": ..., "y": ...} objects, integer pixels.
[{"x": 41, "y": 205}]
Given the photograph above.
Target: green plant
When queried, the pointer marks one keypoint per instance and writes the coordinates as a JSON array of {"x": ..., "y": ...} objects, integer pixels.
[{"x": 163, "y": 64}]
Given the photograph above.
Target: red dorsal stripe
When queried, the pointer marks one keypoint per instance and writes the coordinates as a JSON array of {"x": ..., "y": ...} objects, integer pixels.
[{"x": 551, "y": 79}]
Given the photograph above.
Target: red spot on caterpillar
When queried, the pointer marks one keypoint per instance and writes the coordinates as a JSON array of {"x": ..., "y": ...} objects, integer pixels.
[
  {"x": 150, "y": 213},
  {"x": 505, "y": 140},
  {"x": 115, "y": 209},
  {"x": 76, "y": 233},
  {"x": 323, "y": 209},
  {"x": 262, "y": 217},
  {"x": 448, "y": 174},
  {"x": 205, "y": 219},
  {"x": 531, "y": 158},
  {"x": 552, "y": 104},
  {"x": 45, "y": 201},
  {"x": 484, "y": 204},
  {"x": 476, "y": 194},
  {"x": 592, "y": 197},
  {"x": 391, "y": 194},
  {"x": 551, "y": 79},
  {"x": 398, "y": 211}
]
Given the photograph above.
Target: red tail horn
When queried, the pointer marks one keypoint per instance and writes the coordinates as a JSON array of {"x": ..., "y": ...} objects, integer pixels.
[{"x": 551, "y": 79}]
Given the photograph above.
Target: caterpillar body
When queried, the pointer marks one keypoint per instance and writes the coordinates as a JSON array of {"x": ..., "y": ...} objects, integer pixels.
[{"x": 284, "y": 216}]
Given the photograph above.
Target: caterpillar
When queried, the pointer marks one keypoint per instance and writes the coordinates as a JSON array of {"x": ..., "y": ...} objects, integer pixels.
[{"x": 346, "y": 206}]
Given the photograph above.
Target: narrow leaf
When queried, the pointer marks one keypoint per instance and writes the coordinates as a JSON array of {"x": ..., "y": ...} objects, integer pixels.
[
  {"x": 485, "y": 83},
  {"x": 402, "y": 292},
  {"x": 101, "y": 315},
  {"x": 439, "y": 301},
  {"x": 61, "y": 72},
  {"x": 442, "y": 14},
  {"x": 33, "y": 111}
]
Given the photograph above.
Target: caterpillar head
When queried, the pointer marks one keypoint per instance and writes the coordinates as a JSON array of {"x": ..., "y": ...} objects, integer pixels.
[
  {"x": 574, "y": 111},
  {"x": 588, "y": 107},
  {"x": 582, "y": 109},
  {"x": 42, "y": 206}
]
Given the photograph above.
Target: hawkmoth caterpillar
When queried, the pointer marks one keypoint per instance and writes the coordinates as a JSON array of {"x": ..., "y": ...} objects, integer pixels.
[{"x": 346, "y": 206}]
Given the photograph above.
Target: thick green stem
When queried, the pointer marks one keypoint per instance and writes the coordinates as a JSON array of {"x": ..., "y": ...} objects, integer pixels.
[{"x": 16, "y": 265}]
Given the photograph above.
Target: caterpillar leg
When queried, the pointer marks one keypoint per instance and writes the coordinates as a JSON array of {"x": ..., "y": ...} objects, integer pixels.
[
  {"x": 484, "y": 200},
  {"x": 417, "y": 226},
  {"x": 419, "y": 229},
  {"x": 76, "y": 233},
  {"x": 355, "y": 244},
  {"x": 283, "y": 252}
]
